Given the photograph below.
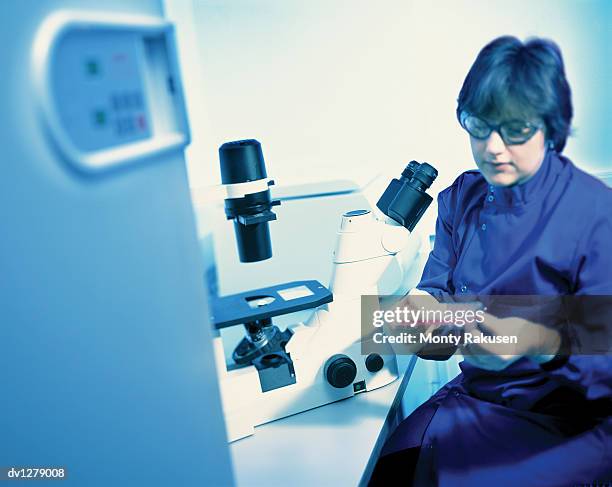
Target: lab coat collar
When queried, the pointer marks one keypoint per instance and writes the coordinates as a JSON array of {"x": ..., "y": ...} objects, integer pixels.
[{"x": 534, "y": 189}]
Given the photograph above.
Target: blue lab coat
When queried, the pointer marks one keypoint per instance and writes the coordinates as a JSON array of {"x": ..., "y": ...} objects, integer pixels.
[{"x": 530, "y": 424}]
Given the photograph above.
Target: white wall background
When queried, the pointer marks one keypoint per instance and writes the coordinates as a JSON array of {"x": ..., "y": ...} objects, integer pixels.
[{"x": 350, "y": 88}]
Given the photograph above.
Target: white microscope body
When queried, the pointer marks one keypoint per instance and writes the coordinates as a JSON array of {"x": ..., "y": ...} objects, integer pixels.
[
  {"x": 367, "y": 250},
  {"x": 324, "y": 355}
]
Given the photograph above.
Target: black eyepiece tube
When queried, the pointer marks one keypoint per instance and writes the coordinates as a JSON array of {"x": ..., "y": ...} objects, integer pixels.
[
  {"x": 241, "y": 161},
  {"x": 253, "y": 241},
  {"x": 248, "y": 202},
  {"x": 424, "y": 176},
  {"x": 405, "y": 200},
  {"x": 409, "y": 170}
]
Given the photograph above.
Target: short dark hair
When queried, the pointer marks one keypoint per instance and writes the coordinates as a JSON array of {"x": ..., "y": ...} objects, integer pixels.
[{"x": 512, "y": 79}]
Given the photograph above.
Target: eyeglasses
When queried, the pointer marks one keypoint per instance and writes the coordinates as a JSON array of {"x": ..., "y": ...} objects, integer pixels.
[{"x": 512, "y": 132}]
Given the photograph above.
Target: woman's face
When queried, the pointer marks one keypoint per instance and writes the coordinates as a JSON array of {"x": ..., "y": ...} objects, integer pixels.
[{"x": 506, "y": 165}]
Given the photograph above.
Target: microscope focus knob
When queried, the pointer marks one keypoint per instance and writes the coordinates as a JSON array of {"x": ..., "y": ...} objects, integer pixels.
[
  {"x": 374, "y": 362},
  {"x": 340, "y": 371}
]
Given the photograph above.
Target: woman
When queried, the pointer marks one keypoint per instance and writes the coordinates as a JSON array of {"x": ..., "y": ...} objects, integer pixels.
[{"x": 528, "y": 222}]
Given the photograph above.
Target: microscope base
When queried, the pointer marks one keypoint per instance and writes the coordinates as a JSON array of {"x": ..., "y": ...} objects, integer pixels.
[{"x": 246, "y": 406}]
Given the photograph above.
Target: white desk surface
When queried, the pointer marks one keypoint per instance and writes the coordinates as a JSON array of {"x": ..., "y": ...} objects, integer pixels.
[{"x": 331, "y": 445}]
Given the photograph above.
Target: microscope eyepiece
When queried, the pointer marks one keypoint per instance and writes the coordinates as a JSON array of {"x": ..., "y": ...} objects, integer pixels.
[
  {"x": 241, "y": 161},
  {"x": 405, "y": 199},
  {"x": 248, "y": 201},
  {"x": 409, "y": 170},
  {"x": 423, "y": 177}
]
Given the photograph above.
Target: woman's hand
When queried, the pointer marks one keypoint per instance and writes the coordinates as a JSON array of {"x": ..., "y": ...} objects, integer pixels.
[
  {"x": 483, "y": 343},
  {"x": 413, "y": 321}
]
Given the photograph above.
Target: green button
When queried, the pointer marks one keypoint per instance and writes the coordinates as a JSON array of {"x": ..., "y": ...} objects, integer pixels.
[
  {"x": 92, "y": 67},
  {"x": 100, "y": 117}
]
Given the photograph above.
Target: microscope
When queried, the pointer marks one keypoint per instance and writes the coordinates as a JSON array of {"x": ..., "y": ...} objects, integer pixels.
[{"x": 277, "y": 373}]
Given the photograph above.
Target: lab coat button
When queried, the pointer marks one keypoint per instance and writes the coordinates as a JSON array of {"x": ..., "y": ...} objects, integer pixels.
[
  {"x": 463, "y": 288},
  {"x": 484, "y": 227},
  {"x": 490, "y": 198}
]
